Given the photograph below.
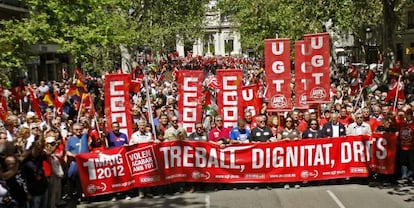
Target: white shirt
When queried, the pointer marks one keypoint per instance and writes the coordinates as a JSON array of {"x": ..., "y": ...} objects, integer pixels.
[
  {"x": 138, "y": 137},
  {"x": 30, "y": 141},
  {"x": 335, "y": 130}
]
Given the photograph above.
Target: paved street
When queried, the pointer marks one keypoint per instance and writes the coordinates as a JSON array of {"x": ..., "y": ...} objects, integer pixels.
[{"x": 335, "y": 196}]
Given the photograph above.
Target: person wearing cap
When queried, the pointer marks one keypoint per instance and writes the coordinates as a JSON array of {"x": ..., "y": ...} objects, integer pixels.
[
  {"x": 30, "y": 118},
  {"x": 35, "y": 132},
  {"x": 56, "y": 175}
]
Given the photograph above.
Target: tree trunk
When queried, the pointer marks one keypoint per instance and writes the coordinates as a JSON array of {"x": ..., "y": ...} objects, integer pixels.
[{"x": 388, "y": 38}]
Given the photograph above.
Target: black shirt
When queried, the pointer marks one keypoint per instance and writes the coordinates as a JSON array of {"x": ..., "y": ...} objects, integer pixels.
[{"x": 260, "y": 135}]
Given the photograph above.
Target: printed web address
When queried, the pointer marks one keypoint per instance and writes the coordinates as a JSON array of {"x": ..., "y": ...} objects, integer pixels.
[{"x": 124, "y": 184}]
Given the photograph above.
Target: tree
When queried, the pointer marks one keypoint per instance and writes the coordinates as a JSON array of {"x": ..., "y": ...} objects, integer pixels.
[
  {"x": 260, "y": 19},
  {"x": 92, "y": 31}
]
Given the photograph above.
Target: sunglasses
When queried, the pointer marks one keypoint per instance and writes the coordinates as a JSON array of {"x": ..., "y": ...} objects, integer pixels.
[
  {"x": 313, "y": 124},
  {"x": 288, "y": 121},
  {"x": 261, "y": 122},
  {"x": 52, "y": 143},
  {"x": 174, "y": 121}
]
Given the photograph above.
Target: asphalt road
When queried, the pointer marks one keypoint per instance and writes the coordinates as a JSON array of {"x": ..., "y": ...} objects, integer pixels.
[{"x": 327, "y": 196}]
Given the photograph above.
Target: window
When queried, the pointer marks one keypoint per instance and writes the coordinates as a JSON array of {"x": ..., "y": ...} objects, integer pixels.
[{"x": 410, "y": 18}]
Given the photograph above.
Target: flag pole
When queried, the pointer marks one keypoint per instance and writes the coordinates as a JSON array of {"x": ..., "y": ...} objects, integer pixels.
[
  {"x": 80, "y": 109},
  {"x": 396, "y": 94},
  {"x": 150, "y": 116}
]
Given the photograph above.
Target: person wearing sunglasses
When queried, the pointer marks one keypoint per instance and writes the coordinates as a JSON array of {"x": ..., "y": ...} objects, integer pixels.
[
  {"x": 313, "y": 131},
  {"x": 290, "y": 132},
  {"x": 55, "y": 178},
  {"x": 261, "y": 133},
  {"x": 219, "y": 134},
  {"x": 199, "y": 134}
]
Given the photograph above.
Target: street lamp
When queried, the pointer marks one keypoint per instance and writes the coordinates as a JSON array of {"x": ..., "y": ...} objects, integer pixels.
[{"x": 368, "y": 35}]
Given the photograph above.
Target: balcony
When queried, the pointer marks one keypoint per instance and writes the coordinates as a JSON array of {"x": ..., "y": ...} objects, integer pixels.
[{"x": 10, "y": 9}]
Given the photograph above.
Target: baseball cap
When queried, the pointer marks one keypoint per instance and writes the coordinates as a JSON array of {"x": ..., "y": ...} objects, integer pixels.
[{"x": 50, "y": 139}]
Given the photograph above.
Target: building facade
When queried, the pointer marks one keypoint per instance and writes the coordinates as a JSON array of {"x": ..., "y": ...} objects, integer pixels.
[
  {"x": 221, "y": 37},
  {"x": 44, "y": 63},
  {"x": 405, "y": 40}
]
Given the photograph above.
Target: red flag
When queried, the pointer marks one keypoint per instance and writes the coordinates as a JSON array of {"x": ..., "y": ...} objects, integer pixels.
[
  {"x": 212, "y": 82},
  {"x": 369, "y": 79},
  {"x": 34, "y": 102},
  {"x": 318, "y": 58},
  {"x": 301, "y": 74},
  {"x": 3, "y": 108},
  {"x": 78, "y": 73},
  {"x": 190, "y": 102},
  {"x": 251, "y": 100},
  {"x": 277, "y": 69},
  {"x": 58, "y": 102},
  {"x": 229, "y": 96},
  {"x": 135, "y": 85},
  {"x": 397, "y": 90},
  {"x": 16, "y": 93}
]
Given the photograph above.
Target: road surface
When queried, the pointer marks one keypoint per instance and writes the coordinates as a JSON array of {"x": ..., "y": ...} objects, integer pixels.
[{"x": 326, "y": 196}]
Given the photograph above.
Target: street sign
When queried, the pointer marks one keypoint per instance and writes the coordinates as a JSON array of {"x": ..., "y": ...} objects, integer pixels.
[{"x": 409, "y": 50}]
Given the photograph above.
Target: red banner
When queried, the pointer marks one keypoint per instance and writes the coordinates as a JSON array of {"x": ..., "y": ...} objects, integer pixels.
[
  {"x": 383, "y": 162},
  {"x": 301, "y": 75},
  {"x": 278, "y": 76},
  {"x": 319, "y": 59},
  {"x": 151, "y": 164},
  {"x": 190, "y": 103},
  {"x": 251, "y": 100},
  {"x": 117, "y": 102},
  {"x": 229, "y": 95}
]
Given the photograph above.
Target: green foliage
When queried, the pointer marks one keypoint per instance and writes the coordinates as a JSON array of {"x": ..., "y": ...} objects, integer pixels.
[
  {"x": 92, "y": 31},
  {"x": 262, "y": 19}
]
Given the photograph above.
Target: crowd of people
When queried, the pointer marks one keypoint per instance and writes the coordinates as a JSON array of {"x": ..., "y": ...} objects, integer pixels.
[{"x": 38, "y": 150}]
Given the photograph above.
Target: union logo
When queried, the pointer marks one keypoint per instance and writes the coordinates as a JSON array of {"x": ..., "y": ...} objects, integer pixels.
[
  {"x": 279, "y": 101},
  {"x": 318, "y": 93}
]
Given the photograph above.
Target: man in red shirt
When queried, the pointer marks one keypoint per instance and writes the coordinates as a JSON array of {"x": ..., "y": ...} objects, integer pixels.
[
  {"x": 219, "y": 134},
  {"x": 344, "y": 118},
  {"x": 406, "y": 145},
  {"x": 373, "y": 123}
]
